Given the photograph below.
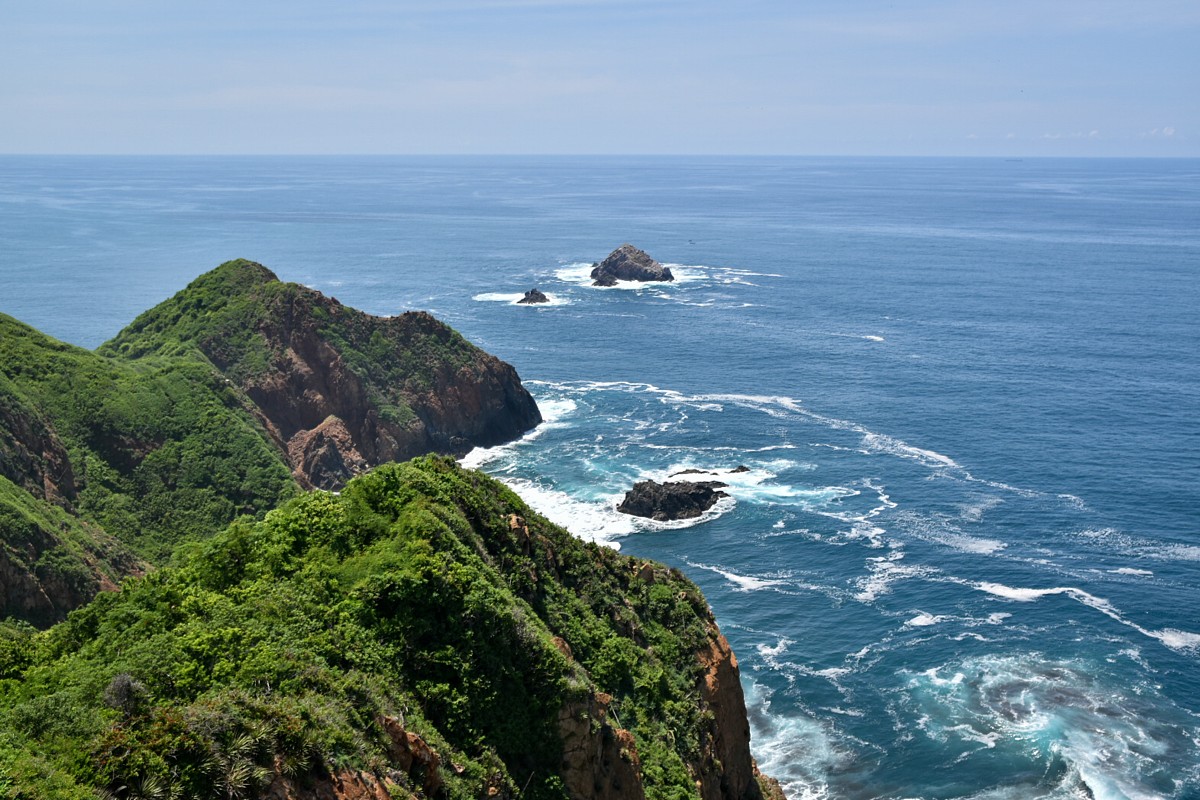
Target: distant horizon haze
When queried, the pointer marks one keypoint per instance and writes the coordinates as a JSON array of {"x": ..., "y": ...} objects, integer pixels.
[{"x": 601, "y": 77}]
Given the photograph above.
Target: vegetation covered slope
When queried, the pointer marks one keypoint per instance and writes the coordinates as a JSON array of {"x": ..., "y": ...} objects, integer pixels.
[
  {"x": 421, "y": 633},
  {"x": 106, "y": 464},
  {"x": 222, "y": 401}
]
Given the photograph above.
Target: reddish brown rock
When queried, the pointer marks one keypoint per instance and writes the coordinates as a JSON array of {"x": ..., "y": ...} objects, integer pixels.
[
  {"x": 600, "y": 761},
  {"x": 725, "y": 769}
]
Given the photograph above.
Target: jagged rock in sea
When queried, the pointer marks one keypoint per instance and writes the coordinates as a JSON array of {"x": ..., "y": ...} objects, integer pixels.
[
  {"x": 628, "y": 263},
  {"x": 671, "y": 500},
  {"x": 693, "y": 471},
  {"x": 533, "y": 296}
]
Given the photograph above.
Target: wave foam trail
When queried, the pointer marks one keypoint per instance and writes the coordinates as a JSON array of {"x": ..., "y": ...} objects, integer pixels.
[
  {"x": 784, "y": 407},
  {"x": 1059, "y": 719},
  {"x": 885, "y": 571},
  {"x": 745, "y": 583},
  {"x": 882, "y": 443},
  {"x": 1180, "y": 641}
]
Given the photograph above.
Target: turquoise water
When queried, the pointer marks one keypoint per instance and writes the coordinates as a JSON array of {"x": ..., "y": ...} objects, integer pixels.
[{"x": 964, "y": 562}]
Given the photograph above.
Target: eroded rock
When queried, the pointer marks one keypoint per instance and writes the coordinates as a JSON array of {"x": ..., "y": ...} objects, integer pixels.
[
  {"x": 628, "y": 263},
  {"x": 671, "y": 500}
]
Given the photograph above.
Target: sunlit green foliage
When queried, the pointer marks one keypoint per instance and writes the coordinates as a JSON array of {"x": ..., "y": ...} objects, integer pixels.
[{"x": 284, "y": 642}]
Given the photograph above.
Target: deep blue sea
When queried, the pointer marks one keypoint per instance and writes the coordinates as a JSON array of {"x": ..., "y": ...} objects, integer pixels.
[{"x": 965, "y": 559}]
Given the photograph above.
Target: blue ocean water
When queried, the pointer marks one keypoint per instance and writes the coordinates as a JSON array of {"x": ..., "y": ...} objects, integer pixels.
[{"x": 964, "y": 561}]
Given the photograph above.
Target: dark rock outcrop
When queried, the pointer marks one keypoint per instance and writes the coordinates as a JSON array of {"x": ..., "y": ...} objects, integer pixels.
[
  {"x": 628, "y": 263},
  {"x": 672, "y": 500},
  {"x": 533, "y": 296}
]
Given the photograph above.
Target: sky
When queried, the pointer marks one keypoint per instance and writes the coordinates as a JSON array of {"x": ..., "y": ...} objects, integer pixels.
[{"x": 807, "y": 77}]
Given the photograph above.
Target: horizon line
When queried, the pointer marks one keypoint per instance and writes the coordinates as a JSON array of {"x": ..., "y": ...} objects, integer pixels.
[{"x": 1004, "y": 157}]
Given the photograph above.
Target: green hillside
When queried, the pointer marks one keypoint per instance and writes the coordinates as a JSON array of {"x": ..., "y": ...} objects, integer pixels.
[{"x": 424, "y": 599}]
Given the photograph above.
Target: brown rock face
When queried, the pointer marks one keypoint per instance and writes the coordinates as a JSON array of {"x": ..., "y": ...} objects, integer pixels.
[
  {"x": 725, "y": 770},
  {"x": 600, "y": 762}
]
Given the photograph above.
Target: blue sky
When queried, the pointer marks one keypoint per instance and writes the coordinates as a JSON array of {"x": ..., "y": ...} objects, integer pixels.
[{"x": 1053, "y": 78}]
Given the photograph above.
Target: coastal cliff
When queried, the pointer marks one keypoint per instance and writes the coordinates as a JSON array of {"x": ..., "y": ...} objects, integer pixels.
[
  {"x": 423, "y": 633},
  {"x": 225, "y": 400},
  {"x": 338, "y": 390}
]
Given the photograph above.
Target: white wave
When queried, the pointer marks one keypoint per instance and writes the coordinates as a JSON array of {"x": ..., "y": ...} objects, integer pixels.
[
  {"x": 884, "y": 572},
  {"x": 1075, "y": 502},
  {"x": 971, "y": 544},
  {"x": 974, "y": 511},
  {"x": 1140, "y": 547},
  {"x": 780, "y": 406},
  {"x": 1180, "y": 641},
  {"x": 1183, "y": 641},
  {"x": 868, "y": 336},
  {"x": 752, "y": 485},
  {"x": 924, "y": 620},
  {"x": 1179, "y": 552},
  {"x": 514, "y": 299},
  {"x": 580, "y": 274},
  {"x": 799, "y": 751},
  {"x": 553, "y": 410},
  {"x": 595, "y": 521},
  {"x": 939, "y": 529},
  {"x": 882, "y": 443},
  {"x": 1131, "y": 571},
  {"x": 745, "y": 583},
  {"x": 768, "y": 652}
]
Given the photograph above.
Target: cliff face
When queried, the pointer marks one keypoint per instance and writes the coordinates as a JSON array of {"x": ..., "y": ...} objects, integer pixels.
[{"x": 339, "y": 391}]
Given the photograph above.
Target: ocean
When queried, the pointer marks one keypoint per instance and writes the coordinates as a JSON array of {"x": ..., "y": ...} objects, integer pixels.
[{"x": 964, "y": 561}]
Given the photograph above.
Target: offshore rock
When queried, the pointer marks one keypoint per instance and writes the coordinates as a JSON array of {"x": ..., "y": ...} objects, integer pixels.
[
  {"x": 672, "y": 500},
  {"x": 628, "y": 263},
  {"x": 533, "y": 296}
]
